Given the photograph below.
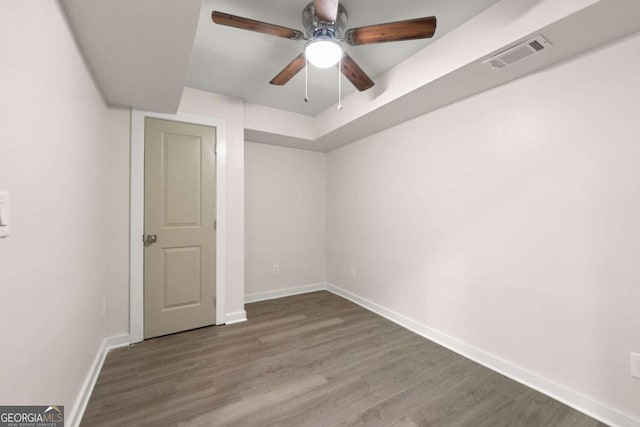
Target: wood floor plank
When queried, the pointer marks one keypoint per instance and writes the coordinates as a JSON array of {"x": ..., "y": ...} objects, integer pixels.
[
  {"x": 394, "y": 407},
  {"x": 382, "y": 375},
  {"x": 405, "y": 422},
  {"x": 279, "y": 336},
  {"x": 310, "y": 360},
  {"x": 256, "y": 402}
]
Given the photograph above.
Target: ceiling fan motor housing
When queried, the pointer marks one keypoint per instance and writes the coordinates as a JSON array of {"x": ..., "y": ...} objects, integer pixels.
[{"x": 314, "y": 26}]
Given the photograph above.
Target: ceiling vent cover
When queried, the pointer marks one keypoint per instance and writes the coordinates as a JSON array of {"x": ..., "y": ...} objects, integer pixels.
[{"x": 518, "y": 53}]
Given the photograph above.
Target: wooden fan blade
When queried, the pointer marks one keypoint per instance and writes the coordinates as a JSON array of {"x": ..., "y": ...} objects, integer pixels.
[
  {"x": 421, "y": 28},
  {"x": 289, "y": 71},
  {"x": 354, "y": 73},
  {"x": 326, "y": 10},
  {"x": 257, "y": 26}
]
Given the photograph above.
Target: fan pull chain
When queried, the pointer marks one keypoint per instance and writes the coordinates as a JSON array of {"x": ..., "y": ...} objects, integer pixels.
[
  {"x": 340, "y": 84},
  {"x": 306, "y": 79}
]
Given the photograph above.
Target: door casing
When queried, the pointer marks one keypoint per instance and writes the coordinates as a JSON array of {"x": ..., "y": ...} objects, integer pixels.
[{"x": 136, "y": 247}]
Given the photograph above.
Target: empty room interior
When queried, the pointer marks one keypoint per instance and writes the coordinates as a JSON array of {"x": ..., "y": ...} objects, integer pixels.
[{"x": 320, "y": 213}]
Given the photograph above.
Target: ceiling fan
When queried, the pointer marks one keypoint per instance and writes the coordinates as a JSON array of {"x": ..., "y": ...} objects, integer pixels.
[{"x": 324, "y": 22}]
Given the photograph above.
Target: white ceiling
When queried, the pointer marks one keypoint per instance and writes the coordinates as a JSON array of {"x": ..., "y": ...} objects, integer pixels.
[
  {"x": 241, "y": 63},
  {"x": 139, "y": 53}
]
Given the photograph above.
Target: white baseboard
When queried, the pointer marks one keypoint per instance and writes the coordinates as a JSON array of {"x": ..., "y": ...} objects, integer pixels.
[
  {"x": 567, "y": 396},
  {"x": 279, "y": 293},
  {"x": 92, "y": 376},
  {"x": 237, "y": 317}
]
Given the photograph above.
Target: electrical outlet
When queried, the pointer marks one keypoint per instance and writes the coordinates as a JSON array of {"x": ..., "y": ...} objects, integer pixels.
[
  {"x": 276, "y": 269},
  {"x": 353, "y": 272},
  {"x": 635, "y": 365}
]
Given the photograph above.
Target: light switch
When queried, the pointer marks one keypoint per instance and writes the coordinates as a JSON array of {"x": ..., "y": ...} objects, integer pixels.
[
  {"x": 635, "y": 365},
  {"x": 4, "y": 214}
]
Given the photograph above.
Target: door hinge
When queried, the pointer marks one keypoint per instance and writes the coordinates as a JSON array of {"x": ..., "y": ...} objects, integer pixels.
[{"x": 215, "y": 225}]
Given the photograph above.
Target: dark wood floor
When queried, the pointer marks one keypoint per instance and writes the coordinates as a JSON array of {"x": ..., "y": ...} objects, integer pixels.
[{"x": 310, "y": 360}]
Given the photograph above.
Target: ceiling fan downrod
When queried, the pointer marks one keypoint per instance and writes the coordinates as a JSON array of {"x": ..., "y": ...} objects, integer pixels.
[{"x": 339, "y": 85}]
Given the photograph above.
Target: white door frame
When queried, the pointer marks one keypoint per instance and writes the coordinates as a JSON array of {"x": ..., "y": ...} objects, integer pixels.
[{"x": 136, "y": 247}]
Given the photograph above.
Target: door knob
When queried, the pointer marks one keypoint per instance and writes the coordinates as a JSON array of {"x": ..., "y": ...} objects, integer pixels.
[{"x": 150, "y": 238}]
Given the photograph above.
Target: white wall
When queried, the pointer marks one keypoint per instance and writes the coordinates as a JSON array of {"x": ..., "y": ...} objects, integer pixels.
[
  {"x": 285, "y": 217},
  {"x": 231, "y": 110},
  {"x": 54, "y": 162},
  {"x": 509, "y": 221},
  {"x": 119, "y": 153}
]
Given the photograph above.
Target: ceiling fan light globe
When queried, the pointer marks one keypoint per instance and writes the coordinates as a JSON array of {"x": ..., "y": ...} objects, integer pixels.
[{"x": 323, "y": 52}]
